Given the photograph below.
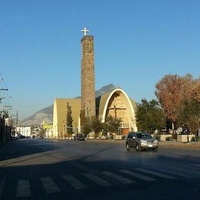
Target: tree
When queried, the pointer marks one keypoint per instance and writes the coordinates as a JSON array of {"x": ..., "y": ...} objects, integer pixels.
[
  {"x": 96, "y": 125},
  {"x": 112, "y": 124},
  {"x": 189, "y": 114},
  {"x": 86, "y": 129},
  {"x": 69, "y": 119},
  {"x": 150, "y": 116},
  {"x": 170, "y": 91},
  {"x": 42, "y": 132},
  {"x": 195, "y": 91}
]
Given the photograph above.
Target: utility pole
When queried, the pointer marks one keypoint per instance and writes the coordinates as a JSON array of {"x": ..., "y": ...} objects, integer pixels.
[
  {"x": 16, "y": 118},
  {"x": 4, "y": 89}
]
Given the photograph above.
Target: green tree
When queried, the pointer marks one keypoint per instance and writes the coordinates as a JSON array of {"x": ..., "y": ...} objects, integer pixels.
[
  {"x": 86, "y": 128},
  {"x": 189, "y": 114},
  {"x": 150, "y": 116},
  {"x": 96, "y": 125},
  {"x": 69, "y": 119},
  {"x": 42, "y": 132},
  {"x": 112, "y": 124}
]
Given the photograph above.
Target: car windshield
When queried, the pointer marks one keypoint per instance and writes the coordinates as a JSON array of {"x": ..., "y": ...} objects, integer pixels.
[{"x": 143, "y": 135}]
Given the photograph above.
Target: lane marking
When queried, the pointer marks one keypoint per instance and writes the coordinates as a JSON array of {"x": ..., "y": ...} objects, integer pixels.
[
  {"x": 157, "y": 174},
  {"x": 118, "y": 178},
  {"x": 189, "y": 171},
  {"x": 175, "y": 172},
  {"x": 140, "y": 176},
  {"x": 82, "y": 167},
  {"x": 196, "y": 165},
  {"x": 49, "y": 185},
  {"x": 97, "y": 180},
  {"x": 74, "y": 182},
  {"x": 23, "y": 188}
]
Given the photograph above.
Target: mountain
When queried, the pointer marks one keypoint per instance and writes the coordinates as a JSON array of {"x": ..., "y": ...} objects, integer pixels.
[
  {"x": 46, "y": 114},
  {"x": 105, "y": 89}
]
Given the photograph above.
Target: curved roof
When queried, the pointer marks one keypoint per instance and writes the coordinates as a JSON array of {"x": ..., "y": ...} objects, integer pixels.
[{"x": 105, "y": 98}]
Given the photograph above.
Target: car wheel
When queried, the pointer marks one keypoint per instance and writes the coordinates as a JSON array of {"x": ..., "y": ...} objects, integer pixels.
[
  {"x": 155, "y": 149},
  {"x": 127, "y": 147},
  {"x": 138, "y": 147}
]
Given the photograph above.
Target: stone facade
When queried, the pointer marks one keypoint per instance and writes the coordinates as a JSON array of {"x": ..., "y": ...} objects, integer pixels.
[{"x": 87, "y": 76}]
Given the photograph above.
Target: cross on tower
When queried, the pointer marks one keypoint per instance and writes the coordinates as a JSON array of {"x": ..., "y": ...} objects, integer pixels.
[{"x": 85, "y": 31}]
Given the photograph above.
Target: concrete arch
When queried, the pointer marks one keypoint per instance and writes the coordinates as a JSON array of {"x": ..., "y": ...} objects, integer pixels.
[{"x": 128, "y": 106}]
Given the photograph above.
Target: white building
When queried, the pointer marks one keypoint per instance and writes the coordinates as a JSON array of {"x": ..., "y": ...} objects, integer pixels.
[{"x": 24, "y": 130}]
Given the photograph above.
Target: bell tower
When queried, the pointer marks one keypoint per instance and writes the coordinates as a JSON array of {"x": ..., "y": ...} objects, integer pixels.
[{"x": 87, "y": 76}]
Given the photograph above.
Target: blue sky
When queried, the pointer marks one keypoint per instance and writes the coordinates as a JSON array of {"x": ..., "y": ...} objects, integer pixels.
[{"x": 137, "y": 42}]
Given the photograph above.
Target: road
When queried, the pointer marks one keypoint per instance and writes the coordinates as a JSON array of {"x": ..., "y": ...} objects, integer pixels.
[{"x": 64, "y": 169}]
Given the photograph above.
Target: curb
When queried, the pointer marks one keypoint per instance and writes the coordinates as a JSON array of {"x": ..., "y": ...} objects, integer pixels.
[
  {"x": 194, "y": 145},
  {"x": 181, "y": 145}
]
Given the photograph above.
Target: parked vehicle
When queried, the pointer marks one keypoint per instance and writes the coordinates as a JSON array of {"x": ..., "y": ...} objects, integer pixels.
[
  {"x": 79, "y": 137},
  {"x": 40, "y": 137},
  {"x": 141, "y": 141}
]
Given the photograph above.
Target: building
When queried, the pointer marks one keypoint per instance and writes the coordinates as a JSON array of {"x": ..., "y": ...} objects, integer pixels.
[
  {"x": 48, "y": 128},
  {"x": 24, "y": 131},
  {"x": 60, "y": 115},
  {"x": 115, "y": 102}
]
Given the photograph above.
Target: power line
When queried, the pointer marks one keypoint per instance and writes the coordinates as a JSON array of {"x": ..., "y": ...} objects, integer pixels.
[{"x": 2, "y": 83}]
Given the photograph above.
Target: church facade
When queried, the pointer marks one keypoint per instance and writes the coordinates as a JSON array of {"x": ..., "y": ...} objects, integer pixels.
[{"x": 114, "y": 103}]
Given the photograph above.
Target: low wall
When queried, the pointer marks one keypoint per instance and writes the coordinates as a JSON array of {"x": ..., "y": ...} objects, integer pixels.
[
  {"x": 184, "y": 138},
  {"x": 164, "y": 136},
  {"x": 118, "y": 137}
]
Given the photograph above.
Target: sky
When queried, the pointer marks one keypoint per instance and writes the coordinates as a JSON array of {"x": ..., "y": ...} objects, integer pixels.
[{"x": 136, "y": 43}]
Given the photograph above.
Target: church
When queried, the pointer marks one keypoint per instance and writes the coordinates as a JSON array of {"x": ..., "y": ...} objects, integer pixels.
[{"x": 114, "y": 103}]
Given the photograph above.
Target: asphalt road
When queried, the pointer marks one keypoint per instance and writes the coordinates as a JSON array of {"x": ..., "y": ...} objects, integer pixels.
[{"x": 63, "y": 169}]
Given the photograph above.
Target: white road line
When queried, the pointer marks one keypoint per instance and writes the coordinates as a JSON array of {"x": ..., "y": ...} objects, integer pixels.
[
  {"x": 2, "y": 183},
  {"x": 119, "y": 178},
  {"x": 186, "y": 170},
  {"x": 23, "y": 188},
  {"x": 196, "y": 165},
  {"x": 140, "y": 176},
  {"x": 156, "y": 173},
  {"x": 175, "y": 172},
  {"x": 74, "y": 182},
  {"x": 49, "y": 185},
  {"x": 189, "y": 171},
  {"x": 97, "y": 180},
  {"x": 191, "y": 168}
]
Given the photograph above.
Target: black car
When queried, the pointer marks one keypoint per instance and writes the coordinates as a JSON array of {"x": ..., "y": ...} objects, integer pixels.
[
  {"x": 141, "y": 141},
  {"x": 79, "y": 137}
]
